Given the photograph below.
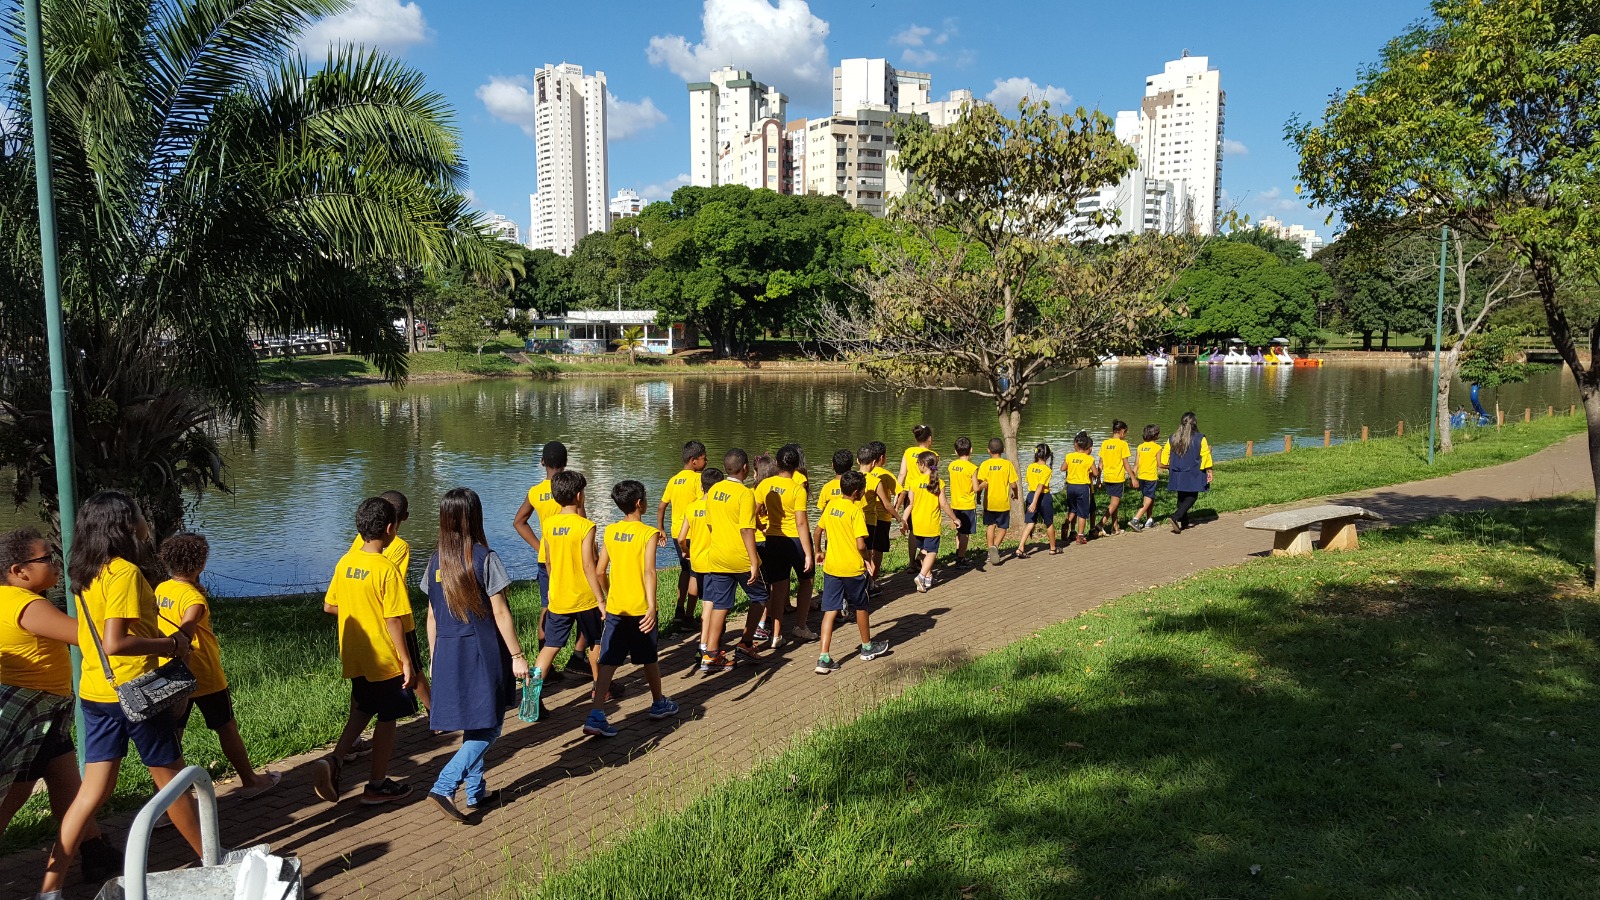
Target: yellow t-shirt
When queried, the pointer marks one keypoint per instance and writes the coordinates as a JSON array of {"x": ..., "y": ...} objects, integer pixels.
[
  {"x": 870, "y": 504},
  {"x": 909, "y": 460},
  {"x": 399, "y": 553},
  {"x": 565, "y": 534},
  {"x": 890, "y": 485},
  {"x": 1039, "y": 476},
  {"x": 545, "y": 507},
  {"x": 118, "y": 592},
  {"x": 829, "y": 493},
  {"x": 174, "y": 598},
  {"x": 998, "y": 475},
  {"x": 699, "y": 535},
  {"x": 1114, "y": 461},
  {"x": 782, "y": 496},
  {"x": 1205, "y": 454},
  {"x": 962, "y": 496},
  {"x": 1079, "y": 467},
  {"x": 628, "y": 545},
  {"x": 1149, "y": 461},
  {"x": 368, "y": 590},
  {"x": 926, "y": 517},
  {"x": 682, "y": 490},
  {"x": 26, "y": 659},
  {"x": 842, "y": 524},
  {"x": 730, "y": 508}
]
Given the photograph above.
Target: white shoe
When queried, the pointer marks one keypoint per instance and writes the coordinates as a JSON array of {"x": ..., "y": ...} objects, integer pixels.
[{"x": 802, "y": 633}]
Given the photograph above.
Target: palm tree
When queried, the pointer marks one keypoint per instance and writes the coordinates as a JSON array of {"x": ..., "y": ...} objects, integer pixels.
[
  {"x": 632, "y": 341},
  {"x": 211, "y": 186}
]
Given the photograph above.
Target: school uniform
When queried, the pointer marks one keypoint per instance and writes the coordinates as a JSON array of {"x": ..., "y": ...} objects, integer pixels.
[
  {"x": 37, "y": 671},
  {"x": 1148, "y": 468},
  {"x": 120, "y": 591},
  {"x": 963, "y": 499},
  {"x": 844, "y": 570},
  {"x": 996, "y": 475},
  {"x": 367, "y": 590},
  {"x": 926, "y": 516},
  {"x": 730, "y": 509},
  {"x": 573, "y": 606},
  {"x": 628, "y": 545},
  {"x": 1079, "y": 467},
  {"x": 1186, "y": 474},
  {"x": 1039, "y": 476},
  {"x": 211, "y": 696},
  {"x": 1114, "y": 457}
]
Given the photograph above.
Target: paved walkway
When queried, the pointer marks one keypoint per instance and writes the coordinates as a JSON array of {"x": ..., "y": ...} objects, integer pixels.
[{"x": 572, "y": 793}]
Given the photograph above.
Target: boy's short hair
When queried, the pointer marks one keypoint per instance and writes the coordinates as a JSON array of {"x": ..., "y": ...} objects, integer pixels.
[
  {"x": 627, "y": 495},
  {"x": 16, "y": 547},
  {"x": 373, "y": 518},
  {"x": 554, "y": 455},
  {"x": 185, "y": 554},
  {"x": 1118, "y": 425},
  {"x": 851, "y": 483},
  {"x": 789, "y": 457},
  {"x": 866, "y": 455},
  {"x": 963, "y": 446},
  {"x": 766, "y": 467},
  {"x": 997, "y": 446},
  {"x": 921, "y": 432},
  {"x": 1081, "y": 440},
  {"x": 709, "y": 478},
  {"x": 402, "y": 506},
  {"x": 566, "y": 485},
  {"x": 693, "y": 450},
  {"x": 843, "y": 461},
  {"x": 881, "y": 449},
  {"x": 735, "y": 460},
  {"x": 1151, "y": 432}
]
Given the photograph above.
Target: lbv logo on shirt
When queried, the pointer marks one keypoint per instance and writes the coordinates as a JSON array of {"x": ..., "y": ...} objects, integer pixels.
[
  {"x": 722, "y": 496},
  {"x": 356, "y": 574},
  {"x": 622, "y": 538},
  {"x": 561, "y": 531}
]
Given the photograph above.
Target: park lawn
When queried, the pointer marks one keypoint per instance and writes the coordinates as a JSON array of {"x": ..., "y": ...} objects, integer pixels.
[{"x": 1417, "y": 718}]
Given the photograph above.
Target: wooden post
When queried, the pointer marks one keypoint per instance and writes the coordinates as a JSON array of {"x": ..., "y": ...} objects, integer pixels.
[
  {"x": 1572, "y": 409},
  {"x": 1549, "y": 411},
  {"x": 1401, "y": 430},
  {"x": 1499, "y": 419},
  {"x": 1363, "y": 434},
  {"x": 1288, "y": 443},
  {"x": 1527, "y": 414},
  {"x": 1249, "y": 449},
  {"x": 1327, "y": 438}
]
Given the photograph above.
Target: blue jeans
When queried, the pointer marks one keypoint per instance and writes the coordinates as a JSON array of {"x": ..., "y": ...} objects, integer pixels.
[{"x": 467, "y": 765}]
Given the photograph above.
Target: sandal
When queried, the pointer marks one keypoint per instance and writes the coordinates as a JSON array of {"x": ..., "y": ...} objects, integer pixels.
[
  {"x": 1055, "y": 551},
  {"x": 272, "y": 781}
]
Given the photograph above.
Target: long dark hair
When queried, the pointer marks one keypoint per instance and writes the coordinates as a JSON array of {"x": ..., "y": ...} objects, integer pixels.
[
  {"x": 1188, "y": 427},
  {"x": 107, "y": 528},
  {"x": 460, "y": 526}
]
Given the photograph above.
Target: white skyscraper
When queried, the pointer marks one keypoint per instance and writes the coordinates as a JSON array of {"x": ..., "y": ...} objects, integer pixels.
[
  {"x": 504, "y": 229},
  {"x": 722, "y": 110},
  {"x": 1182, "y": 116},
  {"x": 871, "y": 83},
  {"x": 570, "y": 136}
]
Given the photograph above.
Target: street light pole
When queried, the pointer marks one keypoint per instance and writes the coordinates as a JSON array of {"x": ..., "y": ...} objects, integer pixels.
[
  {"x": 60, "y": 401},
  {"x": 1438, "y": 338}
]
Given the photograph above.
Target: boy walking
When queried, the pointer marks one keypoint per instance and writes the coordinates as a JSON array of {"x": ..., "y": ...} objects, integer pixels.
[
  {"x": 842, "y": 535},
  {"x": 577, "y": 599},
  {"x": 1147, "y": 476},
  {"x": 1114, "y": 456},
  {"x": 627, "y": 570},
  {"x": 368, "y": 594},
  {"x": 399, "y": 553},
  {"x": 997, "y": 481},
  {"x": 682, "y": 490},
  {"x": 879, "y": 490},
  {"x": 731, "y": 563},
  {"x": 963, "y": 496}
]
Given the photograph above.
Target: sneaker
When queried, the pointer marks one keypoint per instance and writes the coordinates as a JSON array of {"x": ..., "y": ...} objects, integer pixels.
[
  {"x": 994, "y": 556},
  {"x": 922, "y": 584},
  {"x": 597, "y": 726},
  {"x": 802, "y": 633},
  {"x": 712, "y": 663},
  {"x": 1136, "y": 525},
  {"x": 762, "y": 634},
  {"x": 386, "y": 791},
  {"x": 776, "y": 642},
  {"x": 826, "y": 665},
  {"x": 873, "y": 649},
  {"x": 325, "y": 778},
  {"x": 577, "y": 666},
  {"x": 489, "y": 800},
  {"x": 665, "y": 708},
  {"x": 362, "y": 747},
  {"x": 960, "y": 562},
  {"x": 1176, "y": 527},
  {"x": 448, "y": 806},
  {"x": 746, "y": 652}
]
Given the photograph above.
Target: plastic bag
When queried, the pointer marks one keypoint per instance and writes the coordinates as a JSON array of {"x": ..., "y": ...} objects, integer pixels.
[
  {"x": 261, "y": 878},
  {"x": 532, "y": 686}
]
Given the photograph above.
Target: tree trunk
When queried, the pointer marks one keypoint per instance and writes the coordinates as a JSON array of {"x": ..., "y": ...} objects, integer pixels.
[
  {"x": 1386, "y": 339},
  {"x": 408, "y": 303},
  {"x": 1010, "y": 423},
  {"x": 1587, "y": 377},
  {"x": 1591, "y": 414},
  {"x": 1366, "y": 341},
  {"x": 1448, "y": 366}
]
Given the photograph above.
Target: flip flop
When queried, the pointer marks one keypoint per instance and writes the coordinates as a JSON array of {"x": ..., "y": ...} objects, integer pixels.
[{"x": 252, "y": 793}]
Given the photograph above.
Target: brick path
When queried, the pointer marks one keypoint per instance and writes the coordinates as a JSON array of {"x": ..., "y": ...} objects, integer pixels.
[{"x": 571, "y": 793}]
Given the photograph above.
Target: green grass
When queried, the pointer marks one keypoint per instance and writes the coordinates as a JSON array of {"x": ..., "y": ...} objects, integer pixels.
[{"x": 1418, "y": 718}]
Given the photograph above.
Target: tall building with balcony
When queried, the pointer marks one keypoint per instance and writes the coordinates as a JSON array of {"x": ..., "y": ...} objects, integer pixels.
[
  {"x": 1182, "y": 118},
  {"x": 722, "y": 110},
  {"x": 573, "y": 171},
  {"x": 504, "y": 229}
]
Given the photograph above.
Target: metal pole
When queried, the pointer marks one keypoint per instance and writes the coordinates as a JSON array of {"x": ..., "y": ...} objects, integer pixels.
[
  {"x": 60, "y": 402},
  {"x": 1438, "y": 338}
]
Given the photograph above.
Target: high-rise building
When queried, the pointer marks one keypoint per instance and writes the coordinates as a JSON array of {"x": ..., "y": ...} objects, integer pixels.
[
  {"x": 1182, "y": 119},
  {"x": 722, "y": 110},
  {"x": 626, "y": 204},
  {"x": 758, "y": 158},
  {"x": 940, "y": 113},
  {"x": 504, "y": 229},
  {"x": 860, "y": 83},
  {"x": 1310, "y": 242},
  {"x": 570, "y": 141}
]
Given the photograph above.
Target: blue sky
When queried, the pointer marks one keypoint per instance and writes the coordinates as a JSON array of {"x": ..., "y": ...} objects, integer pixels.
[{"x": 1276, "y": 58}]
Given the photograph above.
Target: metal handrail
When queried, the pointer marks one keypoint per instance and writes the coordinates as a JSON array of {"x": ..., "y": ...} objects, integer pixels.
[{"x": 136, "y": 859}]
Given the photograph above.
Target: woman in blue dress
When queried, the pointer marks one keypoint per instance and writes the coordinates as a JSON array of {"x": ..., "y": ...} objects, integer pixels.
[
  {"x": 1187, "y": 458},
  {"x": 476, "y": 657}
]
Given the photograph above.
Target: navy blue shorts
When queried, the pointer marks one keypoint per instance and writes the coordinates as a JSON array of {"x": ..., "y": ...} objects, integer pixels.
[
  {"x": 966, "y": 520},
  {"x": 216, "y": 708},
  {"x": 559, "y": 626},
  {"x": 878, "y": 537},
  {"x": 781, "y": 558},
  {"x": 542, "y": 577},
  {"x": 414, "y": 650},
  {"x": 1079, "y": 502},
  {"x": 623, "y": 641},
  {"x": 928, "y": 544},
  {"x": 1114, "y": 490},
  {"x": 106, "y": 731},
  {"x": 999, "y": 518},
  {"x": 837, "y": 590},
  {"x": 720, "y": 589},
  {"x": 1046, "y": 514},
  {"x": 387, "y": 699},
  {"x": 1148, "y": 487}
]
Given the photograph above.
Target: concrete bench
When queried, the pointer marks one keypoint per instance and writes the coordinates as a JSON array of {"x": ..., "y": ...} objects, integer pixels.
[{"x": 1292, "y": 528}]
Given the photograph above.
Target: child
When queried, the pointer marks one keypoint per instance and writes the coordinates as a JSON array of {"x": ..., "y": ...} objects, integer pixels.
[
  {"x": 843, "y": 461},
  {"x": 929, "y": 509},
  {"x": 682, "y": 490},
  {"x": 183, "y": 608},
  {"x": 1039, "y": 506},
  {"x": 1081, "y": 470},
  {"x": 731, "y": 563},
  {"x": 1114, "y": 473},
  {"x": 627, "y": 570},
  {"x": 997, "y": 480},
  {"x": 1146, "y": 476},
  {"x": 697, "y": 536},
  {"x": 34, "y": 657},
  {"x": 963, "y": 496},
  {"x": 842, "y": 535},
  {"x": 399, "y": 553},
  {"x": 540, "y": 500},
  {"x": 577, "y": 598},
  {"x": 923, "y": 437},
  {"x": 879, "y": 510},
  {"x": 788, "y": 545},
  {"x": 368, "y": 595}
]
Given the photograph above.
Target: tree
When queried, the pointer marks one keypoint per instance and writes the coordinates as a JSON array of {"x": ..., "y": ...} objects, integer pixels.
[
  {"x": 608, "y": 264},
  {"x": 631, "y": 342},
  {"x": 1375, "y": 288},
  {"x": 210, "y": 185},
  {"x": 545, "y": 285},
  {"x": 1236, "y": 288},
  {"x": 974, "y": 284},
  {"x": 1482, "y": 117},
  {"x": 474, "y": 319}
]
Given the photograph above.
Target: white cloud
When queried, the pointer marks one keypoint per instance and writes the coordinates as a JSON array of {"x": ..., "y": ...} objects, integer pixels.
[
  {"x": 625, "y": 119},
  {"x": 1273, "y": 200},
  {"x": 663, "y": 190},
  {"x": 510, "y": 99},
  {"x": 921, "y": 42},
  {"x": 779, "y": 41},
  {"x": 1009, "y": 92},
  {"x": 389, "y": 24},
  {"x": 912, "y": 36},
  {"x": 1231, "y": 147}
]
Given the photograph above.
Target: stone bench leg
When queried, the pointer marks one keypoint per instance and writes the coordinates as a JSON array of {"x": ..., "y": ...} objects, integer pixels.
[
  {"x": 1295, "y": 542},
  {"x": 1339, "y": 534}
]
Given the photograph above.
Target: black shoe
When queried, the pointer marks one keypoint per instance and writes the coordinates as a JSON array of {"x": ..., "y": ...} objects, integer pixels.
[
  {"x": 553, "y": 675},
  {"x": 100, "y": 859},
  {"x": 578, "y": 666}
]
